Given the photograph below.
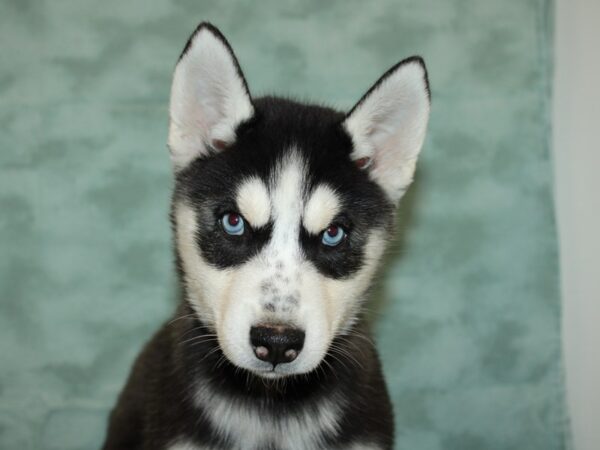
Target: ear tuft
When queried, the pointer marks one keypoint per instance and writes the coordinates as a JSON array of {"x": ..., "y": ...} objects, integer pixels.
[
  {"x": 209, "y": 97},
  {"x": 388, "y": 125}
]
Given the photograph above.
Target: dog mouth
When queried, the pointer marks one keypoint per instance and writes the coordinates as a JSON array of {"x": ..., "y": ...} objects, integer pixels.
[
  {"x": 268, "y": 370},
  {"x": 280, "y": 371},
  {"x": 272, "y": 374}
]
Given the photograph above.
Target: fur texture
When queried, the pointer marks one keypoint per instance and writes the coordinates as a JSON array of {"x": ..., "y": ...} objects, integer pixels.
[{"x": 290, "y": 177}]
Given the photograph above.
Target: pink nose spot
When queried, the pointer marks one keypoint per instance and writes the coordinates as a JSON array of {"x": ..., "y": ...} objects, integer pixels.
[
  {"x": 291, "y": 355},
  {"x": 261, "y": 352}
]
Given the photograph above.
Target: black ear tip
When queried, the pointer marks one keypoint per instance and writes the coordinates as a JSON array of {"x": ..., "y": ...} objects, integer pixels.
[
  {"x": 201, "y": 27},
  {"x": 216, "y": 33},
  {"x": 415, "y": 59},
  {"x": 210, "y": 27},
  {"x": 411, "y": 60}
]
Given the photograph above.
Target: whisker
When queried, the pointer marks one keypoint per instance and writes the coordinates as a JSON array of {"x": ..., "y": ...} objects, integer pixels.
[
  {"x": 201, "y": 337},
  {"x": 181, "y": 317},
  {"x": 348, "y": 341},
  {"x": 203, "y": 341},
  {"x": 330, "y": 368},
  {"x": 201, "y": 327},
  {"x": 354, "y": 333},
  {"x": 209, "y": 353},
  {"x": 347, "y": 355},
  {"x": 338, "y": 360}
]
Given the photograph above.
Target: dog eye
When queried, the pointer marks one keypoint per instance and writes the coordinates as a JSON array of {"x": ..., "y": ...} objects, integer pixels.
[
  {"x": 233, "y": 224},
  {"x": 333, "y": 235}
]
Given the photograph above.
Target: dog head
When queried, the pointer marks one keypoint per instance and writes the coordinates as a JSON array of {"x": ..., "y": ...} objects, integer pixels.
[{"x": 281, "y": 210}]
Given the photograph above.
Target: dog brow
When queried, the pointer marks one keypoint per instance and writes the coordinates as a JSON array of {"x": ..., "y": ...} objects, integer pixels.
[
  {"x": 253, "y": 201},
  {"x": 321, "y": 208}
]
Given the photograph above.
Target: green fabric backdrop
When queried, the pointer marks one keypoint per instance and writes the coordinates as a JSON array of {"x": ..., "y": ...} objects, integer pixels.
[{"x": 468, "y": 310}]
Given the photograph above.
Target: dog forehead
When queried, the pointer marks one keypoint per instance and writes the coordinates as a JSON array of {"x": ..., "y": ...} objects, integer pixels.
[
  {"x": 288, "y": 196},
  {"x": 288, "y": 184}
]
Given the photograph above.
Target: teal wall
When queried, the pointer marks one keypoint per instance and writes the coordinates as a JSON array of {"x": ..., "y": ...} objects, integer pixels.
[{"x": 467, "y": 314}]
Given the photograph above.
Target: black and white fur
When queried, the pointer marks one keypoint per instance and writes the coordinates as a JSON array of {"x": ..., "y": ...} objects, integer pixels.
[{"x": 290, "y": 170}]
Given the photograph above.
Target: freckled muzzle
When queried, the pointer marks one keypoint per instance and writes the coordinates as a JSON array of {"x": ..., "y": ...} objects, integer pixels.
[{"x": 276, "y": 344}]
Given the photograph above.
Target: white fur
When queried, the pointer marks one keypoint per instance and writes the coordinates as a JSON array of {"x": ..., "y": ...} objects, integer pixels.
[
  {"x": 233, "y": 300},
  {"x": 321, "y": 208},
  {"x": 251, "y": 427},
  {"x": 186, "y": 445},
  {"x": 288, "y": 203},
  {"x": 389, "y": 127},
  {"x": 364, "y": 446},
  {"x": 281, "y": 264},
  {"x": 206, "y": 285},
  {"x": 253, "y": 201},
  {"x": 208, "y": 99},
  {"x": 347, "y": 295}
]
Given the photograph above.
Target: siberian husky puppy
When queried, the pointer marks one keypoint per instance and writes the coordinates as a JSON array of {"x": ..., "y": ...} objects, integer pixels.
[{"x": 280, "y": 214}]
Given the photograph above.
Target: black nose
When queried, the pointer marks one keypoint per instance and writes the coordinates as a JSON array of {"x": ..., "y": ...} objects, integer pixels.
[{"x": 276, "y": 343}]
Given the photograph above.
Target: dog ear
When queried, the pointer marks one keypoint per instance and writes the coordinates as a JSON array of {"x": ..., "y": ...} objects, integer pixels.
[
  {"x": 388, "y": 125},
  {"x": 209, "y": 97}
]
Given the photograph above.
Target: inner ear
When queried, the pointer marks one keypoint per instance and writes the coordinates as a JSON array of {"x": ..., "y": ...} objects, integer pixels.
[
  {"x": 387, "y": 126},
  {"x": 209, "y": 98}
]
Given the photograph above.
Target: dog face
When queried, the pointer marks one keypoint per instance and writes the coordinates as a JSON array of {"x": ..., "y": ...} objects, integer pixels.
[{"x": 281, "y": 210}]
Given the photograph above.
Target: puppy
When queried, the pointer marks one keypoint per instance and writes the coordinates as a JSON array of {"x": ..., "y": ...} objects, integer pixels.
[{"x": 280, "y": 214}]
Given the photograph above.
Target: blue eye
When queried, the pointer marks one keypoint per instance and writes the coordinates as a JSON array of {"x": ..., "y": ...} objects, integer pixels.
[
  {"x": 333, "y": 235},
  {"x": 233, "y": 224}
]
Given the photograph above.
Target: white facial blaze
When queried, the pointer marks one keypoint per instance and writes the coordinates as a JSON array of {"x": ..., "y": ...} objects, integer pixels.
[
  {"x": 278, "y": 285},
  {"x": 297, "y": 283},
  {"x": 288, "y": 202}
]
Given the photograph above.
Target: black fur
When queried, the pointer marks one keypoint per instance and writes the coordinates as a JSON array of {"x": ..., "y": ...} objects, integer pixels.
[
  {"x": 157, "y": 404},
  {"x": 390, "y": 71},
  {"x": 278, "y": 126}
]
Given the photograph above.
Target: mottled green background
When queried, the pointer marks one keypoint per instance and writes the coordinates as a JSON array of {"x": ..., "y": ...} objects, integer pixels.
[{"x": 469, "y": 309}]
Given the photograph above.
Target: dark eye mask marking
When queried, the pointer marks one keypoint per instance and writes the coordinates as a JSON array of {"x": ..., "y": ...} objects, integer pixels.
[{"x": 278, "y": 128}]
